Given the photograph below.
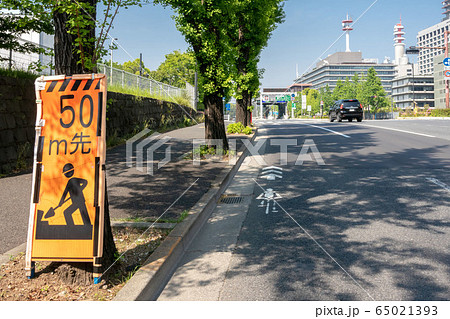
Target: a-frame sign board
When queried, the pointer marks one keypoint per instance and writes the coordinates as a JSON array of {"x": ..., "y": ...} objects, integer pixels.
[{"x": 67, "y": 200}]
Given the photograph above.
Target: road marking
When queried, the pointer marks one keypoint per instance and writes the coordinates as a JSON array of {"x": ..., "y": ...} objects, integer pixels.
[
  {"x": 439, "y": 183},
  {"x": 315, "y": 241},
  {"x": 326, "y": 129},
  {"x": 398, "y": 130}
]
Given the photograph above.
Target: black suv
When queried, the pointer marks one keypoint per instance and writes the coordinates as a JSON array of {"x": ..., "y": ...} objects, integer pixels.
[{"x": 346, "y": 109}]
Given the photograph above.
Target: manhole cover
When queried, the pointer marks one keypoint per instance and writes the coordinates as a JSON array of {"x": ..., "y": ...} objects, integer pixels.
[{"x": 231, "y": 199}]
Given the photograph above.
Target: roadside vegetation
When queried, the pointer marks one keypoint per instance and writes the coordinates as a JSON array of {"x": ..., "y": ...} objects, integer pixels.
[{"x": 366, "y": 89}]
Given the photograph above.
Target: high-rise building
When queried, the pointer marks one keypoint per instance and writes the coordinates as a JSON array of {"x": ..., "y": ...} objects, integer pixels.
[
  {"x": 430, "y": 38},
  {"x": 343, "y": 65}
]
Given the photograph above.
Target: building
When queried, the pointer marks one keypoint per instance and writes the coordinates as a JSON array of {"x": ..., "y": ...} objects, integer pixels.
[
  {"x": 343, "y": 65},
  {"x": 409, "y": 87},
  {"x": 299, "y": 87},
  {"x": 433, "y": 37},
  {"x": 21, "y": 61},
  {"x": 439, "y": 82},
  {"x": 418, "y": 90}
]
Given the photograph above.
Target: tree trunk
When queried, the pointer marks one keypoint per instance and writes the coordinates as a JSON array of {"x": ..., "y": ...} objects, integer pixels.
[
  {"x": 249, "y": 107},
  {"x": 68, "y": 62},
  {"x": 241, "y": 111},
  {"x": 214, "y": 121}
]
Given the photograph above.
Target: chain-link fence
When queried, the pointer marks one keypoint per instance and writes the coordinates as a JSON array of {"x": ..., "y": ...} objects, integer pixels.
[
  {"x": 116, "y": 77},
  {"x": 125, "y": 79},
  {"x": 13, "y": 60}
]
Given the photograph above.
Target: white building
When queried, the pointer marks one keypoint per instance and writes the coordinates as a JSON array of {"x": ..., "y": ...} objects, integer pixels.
[
  {"x": 21, "y": 61},
  {"x": 432, "y": 37}
]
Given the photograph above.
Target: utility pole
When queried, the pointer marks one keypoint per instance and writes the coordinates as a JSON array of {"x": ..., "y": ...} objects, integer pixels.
[
  {"x": 140, "y": 64},
  {"x": 111, "y": 70}
]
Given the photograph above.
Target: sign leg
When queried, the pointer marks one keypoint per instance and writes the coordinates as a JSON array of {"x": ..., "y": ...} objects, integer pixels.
[{"x": 31, "y": 271}]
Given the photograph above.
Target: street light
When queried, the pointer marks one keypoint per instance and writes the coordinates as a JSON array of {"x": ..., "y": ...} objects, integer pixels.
[
  {"x": 112, "y": 42},
  {"x": 416, "y": 50}
]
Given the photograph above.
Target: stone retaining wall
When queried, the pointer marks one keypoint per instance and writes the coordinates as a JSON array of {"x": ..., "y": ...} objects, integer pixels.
[{"x": 126, "y": 115}]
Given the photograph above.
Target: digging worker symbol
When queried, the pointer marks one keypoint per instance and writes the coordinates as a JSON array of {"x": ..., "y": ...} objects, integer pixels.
[{"x": 74, "y": 189}]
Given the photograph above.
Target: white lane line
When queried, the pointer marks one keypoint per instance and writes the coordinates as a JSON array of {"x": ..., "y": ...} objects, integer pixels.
[
  {"x": 326, "y": 129},
  {"x": 398, "y": 130},
  {"x": 439, "y": 183}
]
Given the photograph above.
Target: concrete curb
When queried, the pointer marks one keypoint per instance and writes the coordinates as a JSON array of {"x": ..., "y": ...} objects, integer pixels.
[
  {"x": 152, "y": 277},
  {"x": 4, "y": 258}
]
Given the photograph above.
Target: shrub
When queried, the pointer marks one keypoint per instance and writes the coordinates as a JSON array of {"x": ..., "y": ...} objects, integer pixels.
[
  {"x": 239, "y": 128},
  {"x": 440, "y": 113}
]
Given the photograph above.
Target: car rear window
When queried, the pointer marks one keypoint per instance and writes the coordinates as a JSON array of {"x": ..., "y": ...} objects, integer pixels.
[{"x": 352, "y": 103}]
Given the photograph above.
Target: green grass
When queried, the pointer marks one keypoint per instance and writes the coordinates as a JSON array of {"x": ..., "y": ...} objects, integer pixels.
[
  {"x": 17, "y": 74},
  {"x": 182, "y": 217}
]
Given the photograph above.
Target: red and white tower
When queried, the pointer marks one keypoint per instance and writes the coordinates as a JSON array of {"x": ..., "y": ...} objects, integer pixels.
[
  {"x": 347, "y": 27},
  {"x": 399, "y": 44},
  {"x": 446, "y": 7}
]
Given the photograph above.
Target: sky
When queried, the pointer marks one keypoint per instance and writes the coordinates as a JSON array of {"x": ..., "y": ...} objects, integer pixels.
[{"x": 310, "y": 27}]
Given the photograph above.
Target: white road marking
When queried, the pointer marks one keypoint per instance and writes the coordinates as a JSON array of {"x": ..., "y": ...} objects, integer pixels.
[
  {"x": 398, "y": 130},
  {"x": 326, "y": 129},
  {"x": 439, "y": 183}
]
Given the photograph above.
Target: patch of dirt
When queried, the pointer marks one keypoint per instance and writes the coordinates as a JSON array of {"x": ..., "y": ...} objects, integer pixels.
[{"x": 133, "y": 248}]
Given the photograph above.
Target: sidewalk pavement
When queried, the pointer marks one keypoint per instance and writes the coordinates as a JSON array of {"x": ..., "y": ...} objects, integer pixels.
[{"x": 131, "y": 193}]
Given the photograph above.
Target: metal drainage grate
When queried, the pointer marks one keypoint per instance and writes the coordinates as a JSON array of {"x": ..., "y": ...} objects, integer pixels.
[{"x": 231, "y": 199}]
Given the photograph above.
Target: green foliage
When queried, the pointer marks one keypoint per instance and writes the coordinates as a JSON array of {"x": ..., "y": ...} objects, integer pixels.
[
  {"x": 21, "y": 17},
  {"x": 78, "y": 20},
  {"x": 18, "y": 74},
  {"x": 247, "y": 131},
  {"x": 251, "y": 26},
  {"x": 203, "y": 24},
  {"x": 176, "y": 70},
  {"x": 369, "y": 91},
  {"x": 239, "y": 128},
  {"x": 440, "y": 113}
]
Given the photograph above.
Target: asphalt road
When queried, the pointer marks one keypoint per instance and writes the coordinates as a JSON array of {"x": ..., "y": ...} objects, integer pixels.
[{"x": 371, "y": 224}]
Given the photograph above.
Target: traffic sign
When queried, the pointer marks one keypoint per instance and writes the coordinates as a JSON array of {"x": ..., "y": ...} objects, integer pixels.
[
  {"x": 294, "y": 106},
  {"x": 446, "y": 61},
  {"x": 68, "y": 190},
  {"x": 447, "y": 73},
  {"x": 228, "y": 106}
]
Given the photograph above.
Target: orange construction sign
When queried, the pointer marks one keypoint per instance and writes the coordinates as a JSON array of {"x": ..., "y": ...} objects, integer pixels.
[{"x": 68, "y": 191}]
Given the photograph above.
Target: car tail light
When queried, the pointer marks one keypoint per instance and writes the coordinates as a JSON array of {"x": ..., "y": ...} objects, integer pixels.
[
  {"x": 360, "y": 106},
  {"x": 342, "y": 106}
]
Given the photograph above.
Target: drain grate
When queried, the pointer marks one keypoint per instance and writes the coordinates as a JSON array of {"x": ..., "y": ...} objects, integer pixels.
[{"x": 231, "y": 199}]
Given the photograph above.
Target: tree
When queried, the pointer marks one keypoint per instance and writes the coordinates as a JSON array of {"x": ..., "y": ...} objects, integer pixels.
[
  {"x": 177, "y": 69},
  {"x": 18, "y": 18},
  {"x": 338, "y": 92},
  {"x": 135, "y": 67},
  {"x": 252, "y": 24},
  {"x": 203, "y": 24},
  {"x": 373, "y": 93},
  {"x": 326, "y": 96}
]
